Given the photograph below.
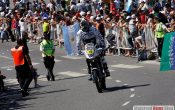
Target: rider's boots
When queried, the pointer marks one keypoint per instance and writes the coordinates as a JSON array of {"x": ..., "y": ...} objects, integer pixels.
[
  {"x": 106, "y": 70},
  {"x": 90, "y": 75}
]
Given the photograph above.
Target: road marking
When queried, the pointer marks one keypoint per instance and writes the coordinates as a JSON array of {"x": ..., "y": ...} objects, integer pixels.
[
  {"x": 108, "y": 78},
  {"x": 118, "y": 81},
  {"x": 9, "y": 69},
  {"x": 6, "y": 57},
  {"x": 133, "y": 95},
  {"x": 125, "y": 84},
  {"x": 126, "y": 103},
  {"x": 132, "y": 90},
  {"x": 73, "y": 57},
  {"x": 56, "y": 60},
  {"x": 35, "y": 63},
  {"x": 72, "y": 74},
  {"x": 84, "y": 69},
  {"x": 43, "y": 78},
  {"x": 11, "y": 81},
  {"x": 111, "y": 70},
  {"x": 126, "y": 66},
  {"x": 151, "y": 62}
]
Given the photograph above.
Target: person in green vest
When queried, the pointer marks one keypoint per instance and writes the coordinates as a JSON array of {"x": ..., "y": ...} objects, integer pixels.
[
  {"x": 160, "y": 30},
  {"x": 46, "y": 26},
  {"x": 48, "y": 49}
]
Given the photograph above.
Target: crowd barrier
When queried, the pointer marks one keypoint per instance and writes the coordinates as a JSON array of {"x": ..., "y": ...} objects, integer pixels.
[
  {"x": 67, "y": 34},
  {"x": 147, "y": 39}
]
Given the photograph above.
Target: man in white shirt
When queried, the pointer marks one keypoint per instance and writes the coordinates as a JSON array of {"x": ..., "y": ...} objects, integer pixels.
[
  {"x": 50, "y": 5},
  {"x": 22, "y": 25},
  {"x": 143, "y": 5},
  {"x": 24, "y": 1}
]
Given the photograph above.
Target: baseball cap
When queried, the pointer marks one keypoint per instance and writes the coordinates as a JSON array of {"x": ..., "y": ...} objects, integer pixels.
[{"x": 45, "y": 18}]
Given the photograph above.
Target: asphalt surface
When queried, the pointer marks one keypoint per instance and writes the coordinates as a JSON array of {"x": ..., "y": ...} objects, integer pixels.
[{"x": 130, "y": 84}]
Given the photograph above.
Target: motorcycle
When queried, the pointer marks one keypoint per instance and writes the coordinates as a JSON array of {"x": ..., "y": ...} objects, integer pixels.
[{"x": 92, "y": 53}]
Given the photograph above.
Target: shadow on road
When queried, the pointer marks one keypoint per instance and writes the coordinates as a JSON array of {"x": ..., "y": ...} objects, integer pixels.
[
  {"x": 12, "y": 98},
  {"x": 117, "y": 88}
]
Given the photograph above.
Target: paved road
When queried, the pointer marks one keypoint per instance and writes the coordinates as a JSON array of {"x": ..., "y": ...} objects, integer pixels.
[{"x": 130, "y": 84}]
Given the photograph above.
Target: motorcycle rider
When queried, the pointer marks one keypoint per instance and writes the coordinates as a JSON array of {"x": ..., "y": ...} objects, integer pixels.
[{"x": 89, "y": 34}]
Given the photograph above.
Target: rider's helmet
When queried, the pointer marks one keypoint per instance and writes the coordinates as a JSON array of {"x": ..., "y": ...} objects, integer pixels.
[{"x": 84, "y": 25}]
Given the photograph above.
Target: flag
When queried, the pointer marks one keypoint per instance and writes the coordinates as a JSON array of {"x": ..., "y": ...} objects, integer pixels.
[
  {"x": 127, "y": 6},
  {"x": 168, "y": 53},
  {"x": 67, "y": 43}
]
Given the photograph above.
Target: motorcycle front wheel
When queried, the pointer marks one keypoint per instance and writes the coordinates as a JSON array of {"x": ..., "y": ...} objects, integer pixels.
[{"x": 97, "y": 80}]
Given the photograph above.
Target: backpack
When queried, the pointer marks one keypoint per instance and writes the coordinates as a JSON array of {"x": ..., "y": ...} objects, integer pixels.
[{"x": 142, "y": 55}]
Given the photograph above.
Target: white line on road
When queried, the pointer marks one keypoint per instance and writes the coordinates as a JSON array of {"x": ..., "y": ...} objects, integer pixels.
[
  {"x": 151, "y": 62},
  {"x": 126, "y": 103},
  {"x": 125, "y": 84},
  {"x": 9, "y": 69},
  {"x": 132, "y": 90},
  {"x": 118, "y": 81},
  {"x": 56, "y": 60},
  {"x": 11, "y": 81},
  {"x": 111, "y": 70},
  {"x": 108, "y": 78},
  {"x": 6, "y": 57},
  {"x": 41, "y": 76},
  {"x": 72, "y": 57},
  {"x": 35, "y": 63},
  {"x": 126, "y": 66},
  {"x": 133, "y": 95},
  {"x": 72, "y": 74}
]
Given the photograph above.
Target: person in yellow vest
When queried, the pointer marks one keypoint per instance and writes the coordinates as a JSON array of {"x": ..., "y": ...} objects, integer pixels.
[
  {"x": 47, "y": 48},
  {"x": 160, "y": 30},
  {"x": 23, "y": 66},
  {"x": 46, "y": 26}
]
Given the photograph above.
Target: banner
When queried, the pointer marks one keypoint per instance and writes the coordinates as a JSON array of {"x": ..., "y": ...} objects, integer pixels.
[
  {"x": 127, "y": 5},
  {"x": 149, "y": 38},
  {"x": 67, "y": 43},
  {"x": 168, "y": 53}
]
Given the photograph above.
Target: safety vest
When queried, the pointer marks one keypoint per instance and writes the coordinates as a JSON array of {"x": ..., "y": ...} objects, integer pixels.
[
  {"x": 47, "y": 48},
  {"x": 159, "y": 33},
  {"x": 45, "y": 27},
  {"x": 18, "y": 56}
]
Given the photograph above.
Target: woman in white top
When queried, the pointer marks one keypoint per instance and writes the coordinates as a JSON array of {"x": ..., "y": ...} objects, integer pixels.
[{"x": 22, "y": 25}]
